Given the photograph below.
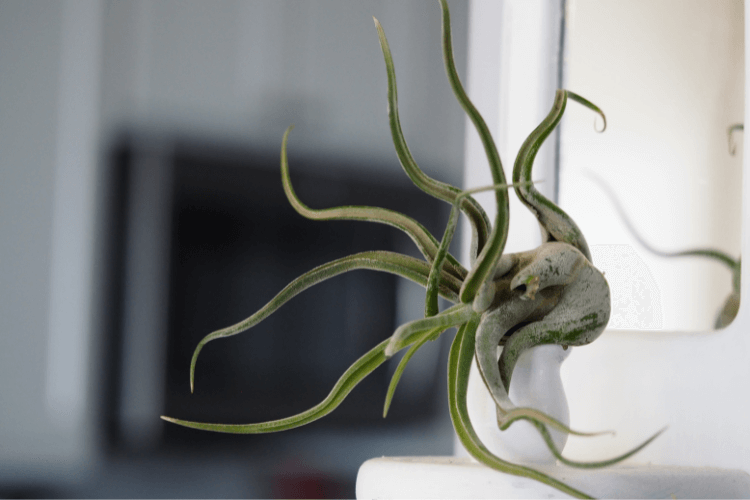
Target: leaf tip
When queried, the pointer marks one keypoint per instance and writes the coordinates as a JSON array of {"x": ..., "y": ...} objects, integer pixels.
[{"x": 604, "y": 124}]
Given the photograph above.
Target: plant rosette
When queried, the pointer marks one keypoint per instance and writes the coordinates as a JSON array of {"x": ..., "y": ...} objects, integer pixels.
[{"x": 535, "y": 304}]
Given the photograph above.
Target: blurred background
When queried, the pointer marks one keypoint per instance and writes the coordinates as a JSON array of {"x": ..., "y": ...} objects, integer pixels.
[{"x": 141, "y": 208}]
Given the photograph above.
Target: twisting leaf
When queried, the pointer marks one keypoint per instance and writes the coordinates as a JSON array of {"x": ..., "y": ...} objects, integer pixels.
[
  {"x": 390, "y": 262},
  {"x": 351, "y": 377},
  {"x": 459, "y": 364},
  {"x": 408, "y": 333},
  {"x": 593, "y": 107},
  {"x": 556, "y": 224},
  {"x": 588, "y": 465},
  {"x": 478, "y": 218},
  {"x": 737, "y": 127},
  {"x": 429, "y": 335},
  {"x": 433, "y": 281},
  {"x": 426, "y": 243},
  {"x": 532, "y": 414},
  {"x": 486, "y": 261}
]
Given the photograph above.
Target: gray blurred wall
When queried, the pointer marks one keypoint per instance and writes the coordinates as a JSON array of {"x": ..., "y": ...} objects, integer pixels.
[{"x": 75, "y": 72}]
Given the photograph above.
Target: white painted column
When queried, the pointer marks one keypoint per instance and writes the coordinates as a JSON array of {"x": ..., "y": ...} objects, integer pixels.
[{"x": 73, "y": 224}]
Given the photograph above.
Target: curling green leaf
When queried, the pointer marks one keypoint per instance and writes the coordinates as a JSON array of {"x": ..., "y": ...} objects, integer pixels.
[
  {"x": 351, "y": 377},
  {"x": 556, "y": 224},
  {"x": 426, "y": 243},
  {"x": 433, "y": 281},
  {"x": 532, "y": 414},
  {"x": 459, "y": 364},
  {"x": 737, "y": 127},
  {"x": 408, "y": 333},
  {"x": 472, "y": 209},
  {"x": 485, "y": 264},
  {"x": 588, "y": 465},
  {"x": 593, "y": 107},
  {"x": 429, "y": 335},
  {"x": 391, "y": 262}
]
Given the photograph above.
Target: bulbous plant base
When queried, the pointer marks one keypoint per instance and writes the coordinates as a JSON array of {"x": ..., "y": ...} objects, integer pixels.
[
  {"x": 536, "y": 383},
  {"x": 461, "y": 477}
]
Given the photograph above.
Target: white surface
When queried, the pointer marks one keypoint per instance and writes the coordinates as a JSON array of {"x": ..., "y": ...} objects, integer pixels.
[
  {"x": 48, "y": 134},
  {"x": 451, "y": 477},
  {"x": 642, "y": 62},
  {"x": 73, "y": 214},
  {"x": 695, "y": 383}
]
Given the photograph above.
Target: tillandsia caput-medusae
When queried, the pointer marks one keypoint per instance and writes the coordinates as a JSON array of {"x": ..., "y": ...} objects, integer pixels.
[
  {"x": 550, "y": 295},
  {"x": 731, "y": 305}
]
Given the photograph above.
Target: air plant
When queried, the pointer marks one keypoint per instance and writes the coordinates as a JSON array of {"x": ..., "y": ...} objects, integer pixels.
[
  {"x": 549, "y": 295},
  {"x": 731, "y": 304}
]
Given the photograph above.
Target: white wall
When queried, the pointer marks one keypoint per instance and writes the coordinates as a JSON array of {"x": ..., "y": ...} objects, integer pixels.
[
  {"x": 669, "y": 76},
  {"x": 637, "y": 382},
  {"x": 31, "y": 74}
]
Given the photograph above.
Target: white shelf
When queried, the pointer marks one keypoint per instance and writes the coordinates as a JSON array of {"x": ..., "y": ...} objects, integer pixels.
[{"x": 459, "y": 477}]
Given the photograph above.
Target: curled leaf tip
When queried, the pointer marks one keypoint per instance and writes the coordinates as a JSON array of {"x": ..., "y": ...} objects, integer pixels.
[
  {"x": 593, "y": 107},
  {"x": 604, "y": 124},
  {"x": 192, "y": 365},
  {"x": 589, "y": 465},
  {"x": 428, "y": 335},
  {"x": 730, "y": 131}
]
